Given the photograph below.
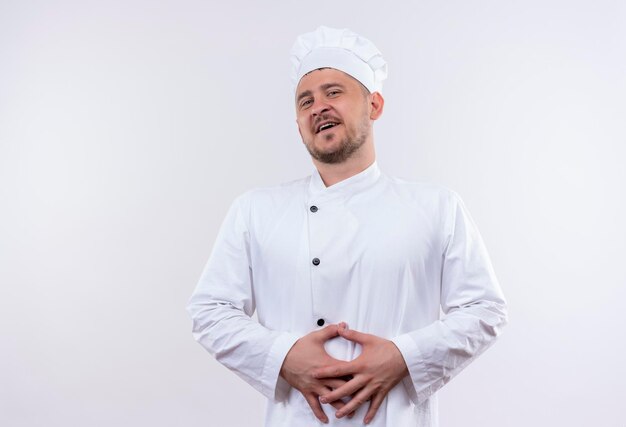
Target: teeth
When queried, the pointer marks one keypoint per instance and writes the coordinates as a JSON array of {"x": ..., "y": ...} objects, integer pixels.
[{"x": 326, "y": 126}]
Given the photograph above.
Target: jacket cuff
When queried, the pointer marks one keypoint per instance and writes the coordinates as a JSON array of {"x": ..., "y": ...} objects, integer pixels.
[
  {"x": 274, "y": 386},
  {"x": 418, "y": 384}
]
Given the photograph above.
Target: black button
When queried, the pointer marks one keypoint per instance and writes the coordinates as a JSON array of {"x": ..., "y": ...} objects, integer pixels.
[
  {"x": 316, "y": 261},
  {"x": 313, "y": 208},
  {"x": 320, "y": 322}
]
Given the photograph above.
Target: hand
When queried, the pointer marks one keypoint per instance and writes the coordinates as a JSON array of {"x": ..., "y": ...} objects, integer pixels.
[
  {"x": 379, "y": 367},
  {"x": 306, "y": 355}
]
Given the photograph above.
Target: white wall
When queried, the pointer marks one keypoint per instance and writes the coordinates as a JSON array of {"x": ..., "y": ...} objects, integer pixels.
[{"x": 127, "y": 128}]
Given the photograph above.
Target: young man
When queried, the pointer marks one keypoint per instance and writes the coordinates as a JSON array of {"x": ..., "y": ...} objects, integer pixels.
[{"x": 347, "y": 269}]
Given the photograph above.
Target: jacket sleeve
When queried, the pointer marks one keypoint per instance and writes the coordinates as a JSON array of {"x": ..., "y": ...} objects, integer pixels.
[
  {"x": 473, "y": 306},
  {"x": 221, "y": 308}
]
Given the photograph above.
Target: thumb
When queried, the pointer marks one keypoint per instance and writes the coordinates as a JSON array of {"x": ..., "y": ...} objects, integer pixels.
[
  {"x": 352, "y": 335},
  {"x": 328, "y": 332}
]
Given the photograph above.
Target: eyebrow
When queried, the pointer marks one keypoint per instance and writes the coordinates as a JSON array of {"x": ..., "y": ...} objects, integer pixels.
[
  {"x": 303, "y": 95},
  {"x": 325, "y": 86}
]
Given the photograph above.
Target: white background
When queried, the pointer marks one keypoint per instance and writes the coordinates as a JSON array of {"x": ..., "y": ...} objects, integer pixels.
[{"x": 128, "y": 127}]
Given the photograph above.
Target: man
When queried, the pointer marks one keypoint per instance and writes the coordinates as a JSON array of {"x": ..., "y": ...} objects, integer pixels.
[{"x": 348, "y": 269}]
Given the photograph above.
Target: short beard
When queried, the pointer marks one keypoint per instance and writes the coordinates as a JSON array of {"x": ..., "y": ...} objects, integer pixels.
[{"x": 346, "y": 149}]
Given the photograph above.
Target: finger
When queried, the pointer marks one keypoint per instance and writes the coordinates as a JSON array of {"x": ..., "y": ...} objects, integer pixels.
[
  {"x": 352, "y": 335},
  {"x": 316, "y": 407},
  {"x": 336, "y": 370},
  {"x": 348, "y": 389},
  {"x": 351, "y": 414},
  {"x": 327, "y": 333},
  {"x": 338, "y": 404},
  {"x": 333, "y": 383},
  {"x": 360, "y": 398},
  {"x": 375, "y": 403}
]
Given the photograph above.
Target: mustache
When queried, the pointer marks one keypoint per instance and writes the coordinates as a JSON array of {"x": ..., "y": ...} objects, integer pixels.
[{"x": 324, "y": 118}]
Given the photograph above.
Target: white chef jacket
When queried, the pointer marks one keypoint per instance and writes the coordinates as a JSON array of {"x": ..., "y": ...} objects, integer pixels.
[{"x": 397, "y": 259}]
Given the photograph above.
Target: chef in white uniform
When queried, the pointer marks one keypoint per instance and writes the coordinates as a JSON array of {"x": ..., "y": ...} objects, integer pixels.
[{"x": 371, "y": 292}]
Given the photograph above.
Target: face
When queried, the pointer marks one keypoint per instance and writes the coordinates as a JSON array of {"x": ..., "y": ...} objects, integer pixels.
[{"x": 333, "y": 115}]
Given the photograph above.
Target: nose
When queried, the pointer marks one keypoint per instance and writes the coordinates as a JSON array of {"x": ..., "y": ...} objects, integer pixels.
[{"x": 319, "y": 106}]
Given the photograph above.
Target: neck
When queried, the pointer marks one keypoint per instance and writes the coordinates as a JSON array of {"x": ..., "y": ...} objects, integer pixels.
[{"x": 333, "y": 173}]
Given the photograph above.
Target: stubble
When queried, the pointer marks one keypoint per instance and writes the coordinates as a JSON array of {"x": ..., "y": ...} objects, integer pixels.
[{"x": 347, "y": 147}]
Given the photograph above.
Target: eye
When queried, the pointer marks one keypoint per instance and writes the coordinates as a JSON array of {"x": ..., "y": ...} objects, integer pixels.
[
  {"x": 333, "y": 92},
  {"x": 305, "y": 103}
]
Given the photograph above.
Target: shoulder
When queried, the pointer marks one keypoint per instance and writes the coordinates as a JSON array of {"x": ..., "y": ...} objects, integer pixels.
[
  {"x": 435, "y": 203},
  {"x": 423, "y": 192},
  {"x": 273, "y": 197}
]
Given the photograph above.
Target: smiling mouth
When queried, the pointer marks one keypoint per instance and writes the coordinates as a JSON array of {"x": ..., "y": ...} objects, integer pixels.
[{"x": 326, "y": 126}]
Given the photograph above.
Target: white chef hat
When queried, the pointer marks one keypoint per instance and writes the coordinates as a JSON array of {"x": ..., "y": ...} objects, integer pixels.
[{"x": 340, "y": 49}]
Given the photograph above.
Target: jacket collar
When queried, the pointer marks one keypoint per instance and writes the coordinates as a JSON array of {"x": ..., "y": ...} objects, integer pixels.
[{"x": 347, "y": 187}]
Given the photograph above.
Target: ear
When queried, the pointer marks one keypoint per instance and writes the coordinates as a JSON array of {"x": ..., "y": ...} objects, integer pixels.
[
  {"x": 299, "y": 131},
  {"x": 377, "y": 102}
]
